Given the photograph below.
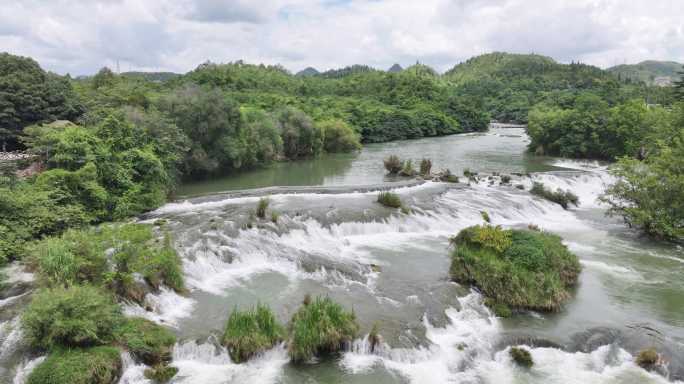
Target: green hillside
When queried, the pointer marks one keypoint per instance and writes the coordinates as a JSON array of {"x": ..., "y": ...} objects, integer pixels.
[{"x": 648, "y": 71}]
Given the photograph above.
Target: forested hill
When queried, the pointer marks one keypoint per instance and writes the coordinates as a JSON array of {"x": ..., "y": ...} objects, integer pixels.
[{"x": 648, "y": 71}]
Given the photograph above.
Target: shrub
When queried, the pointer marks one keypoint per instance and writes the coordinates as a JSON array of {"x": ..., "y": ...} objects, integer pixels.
[
  {"x": 161, "y": 373},
  {"x": 322, "y": 326},
  {"x": 393, "y": 164},
  {"x": 407, "y": 170},
  {"x": 647, "y": 358},
  {"x": 75, "y": 316},
  {"x": 262, "y": 206},
  {"x": 389, "y": 199},
  {"x": 516, "y": 268},
  {"x": 521, "y": 357},
  {"x": 146, "y": 341},
  {"x": 250, "y": 332},
  {"x": 563, "y": 198},
  {"x": 425, "y": 167},
  {"x": 339, "y": 136},
  {"x": 98, "y": 365}
]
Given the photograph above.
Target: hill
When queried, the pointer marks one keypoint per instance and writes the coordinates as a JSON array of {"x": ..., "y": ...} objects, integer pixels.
[
  {"x": 651, "y": 72},
  {"x": 395, "y": 68},
  {"x": 308, "y": 71},
  {"x": 151, "y": 76}
]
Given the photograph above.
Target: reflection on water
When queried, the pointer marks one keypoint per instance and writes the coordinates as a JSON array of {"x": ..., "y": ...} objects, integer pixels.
[{"x": 499, "y": 150}]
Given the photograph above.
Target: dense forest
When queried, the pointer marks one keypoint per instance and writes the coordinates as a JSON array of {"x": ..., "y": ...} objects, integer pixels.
[{"x": 112, "y": 145}]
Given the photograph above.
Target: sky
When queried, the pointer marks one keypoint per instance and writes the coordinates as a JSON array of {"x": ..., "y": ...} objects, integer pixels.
[{"x": 79, "y": 37}]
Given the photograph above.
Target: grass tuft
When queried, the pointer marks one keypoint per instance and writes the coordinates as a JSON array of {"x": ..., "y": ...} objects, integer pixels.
[
  {"x": 262, "y": 206},
  {"x": 389, "y": 199},
  {"x": 485, "y": 216},
  {"x": 146, "y": 341},
  {"x": 250, "y": 332},
  {"x": 161, "y": 373},
  {"x": 322, "y": 326},
  {"x": 425, "y": 167},
  {"x": 392, "y": 164},
  {"x": 407, "y": 170},
  {"x": 521, "y": 356},
  {"x": 647, "y": 358}
]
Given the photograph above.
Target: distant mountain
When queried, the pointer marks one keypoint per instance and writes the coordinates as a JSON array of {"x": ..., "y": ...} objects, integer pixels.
[
  {"x": 395, "y": 68},
  {"x": 649, "y": 72},
  {"x": 308, "y": 71},
  {"x": 151, "y": 76}
]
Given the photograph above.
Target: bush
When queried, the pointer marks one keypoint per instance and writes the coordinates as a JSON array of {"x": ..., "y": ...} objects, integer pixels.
[
  {"x": 262, "y": 205},
  {"x": 516, "y": 268},
  {"x": 647, "y": 358},
  {"x": 339, "y": 136},
  {"x": 389, "y": 199},
  {"x": 563, "y": 198},
  {"x": 393, "y": 164},
  {"x": 250, "y": 332},
  {"x": 407, "y": 170},
  {"x": 145, "y": 340},
  {"x": 78, "y": 316},
  {"x": 98, "y": 365},
  {"x": 521, "y": 357},
  {"x": 425, "y": 167},
  {"x": 322, "y": 326},
  {"x": 161, "y": 373}
]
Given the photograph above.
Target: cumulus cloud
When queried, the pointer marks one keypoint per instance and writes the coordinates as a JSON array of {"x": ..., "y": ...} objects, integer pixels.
[{"x": 81, "y": 36}]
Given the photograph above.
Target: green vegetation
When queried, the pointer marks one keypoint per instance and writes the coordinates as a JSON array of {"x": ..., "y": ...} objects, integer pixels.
[
  {"x": 646, "y": 71},
  {"x": 98, "y": 365},
  {"x": 521, "y": 357},
  {"x": 515, "y": 268},
  {"x": 649, "y": 194},
  {"x": 78, "y": 316},
  {"x": 448, "y": 177},
  {"x": 161, "y": 373},
  {"x": 81, "y": 256},
  {"x": 262, "y": 206},
  {"x": 145, "y": 340},
  {"x": 320, "y": 326},
  {"x": 250, "y": 332},
  {"x": 425, "y": 167},
  {"x": 389, "y": 199},
  {"x": 563, "y": 198},
  {"x": 647, "y": 358},
  {"x": 393, "y": 164}
]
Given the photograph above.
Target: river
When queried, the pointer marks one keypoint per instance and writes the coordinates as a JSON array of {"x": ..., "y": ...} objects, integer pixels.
[{"x": 333, "y": 239}]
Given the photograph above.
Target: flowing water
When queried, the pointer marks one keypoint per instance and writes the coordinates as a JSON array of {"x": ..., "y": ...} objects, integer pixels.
[{"x": 333, "y": 239}]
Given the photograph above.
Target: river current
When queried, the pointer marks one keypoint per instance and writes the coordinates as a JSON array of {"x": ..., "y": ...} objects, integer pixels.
[{"x": 332, "y": 238}]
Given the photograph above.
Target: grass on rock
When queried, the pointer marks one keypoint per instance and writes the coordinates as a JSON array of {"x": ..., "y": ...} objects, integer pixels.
[
  {"x": 160, "y": 373},
  {"x": 262, "y": 206},
  {"x": 563, "y": 198},
  {"x": 319, "y": 327},
  {"x": 98, "y": 365},
  {"x": 147, "y": 341},
  {"x": 389, "y": 199},
  {"x": 393, "y": 164},
  {"x": 647, "y": 358},
  {"x": 250, "y": 332},
  {"x": 515, "y": 268},
  {"x": 521, "y": 356},
  {"x": 425, "y": 167}
]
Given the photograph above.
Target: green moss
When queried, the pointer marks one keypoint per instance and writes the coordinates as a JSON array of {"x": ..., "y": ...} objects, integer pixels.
[
  {"x": 262, "y": 206},
  {"x": 516, "y": 268},
  {"x": 322, "y": 326},
  {"x": 98, "y": 365},
  {"x": 647, "y": 358},
  {"x": 521, "y": 357},
  {"x": 146, "y": 341},
  {"x": 161, "y": 373},
  {"x": 75, "y": 316},
  {"x": 563, "y": 198},
  {"x": 392, "y": 164},
  {"x": 389, "y": 199},
  {"x": 250, "y": 332}
]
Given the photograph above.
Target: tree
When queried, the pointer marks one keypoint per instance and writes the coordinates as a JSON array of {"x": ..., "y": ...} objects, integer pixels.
[
  {"x": 679, "y": 86},
  {"x": 301, "y": 137},
  {"x": 103, "y": 78}
]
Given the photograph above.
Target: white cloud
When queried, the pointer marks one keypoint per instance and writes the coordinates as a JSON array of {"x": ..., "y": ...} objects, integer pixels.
[{"x": 81, "y": 36}]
